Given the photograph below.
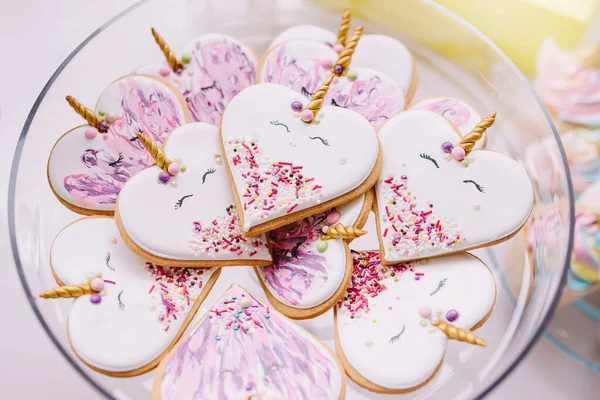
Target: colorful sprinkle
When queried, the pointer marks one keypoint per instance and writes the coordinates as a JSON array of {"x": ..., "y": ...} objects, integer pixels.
[
  {"x": 95, "y": 298},
  {"x": 451, "y": 315},
  {"x": 458, "y": 153},
  {"x": 322, "y": 246},
  {"x": 425, "y": 312},
  {"x": 91, "y": 133}
]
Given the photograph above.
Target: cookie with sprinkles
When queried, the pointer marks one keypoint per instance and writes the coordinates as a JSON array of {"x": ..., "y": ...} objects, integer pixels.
[
  {"x": 311, "y": 260},
  {"x": 438, "y": 195},
  {"x": 126, "y": 313},
  {"x": 212, "y": 69},
  {"x": 181, "y": 211},
  {"x": 243, "y": 349},
  {"x": 290, "y": 158},
  {"x": 89, "y": 164},
  {"x": 408, "y": 312}
]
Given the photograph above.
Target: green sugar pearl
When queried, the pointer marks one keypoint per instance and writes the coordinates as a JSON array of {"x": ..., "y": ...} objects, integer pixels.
[
  {"x": 322, "y": 246},
  {"x": 101, "y": 112},
  {"x": 186, "y": 58}
]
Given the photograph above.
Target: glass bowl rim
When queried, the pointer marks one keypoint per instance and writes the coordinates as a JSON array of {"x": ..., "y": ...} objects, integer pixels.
[{"x": 21, "y": 141}]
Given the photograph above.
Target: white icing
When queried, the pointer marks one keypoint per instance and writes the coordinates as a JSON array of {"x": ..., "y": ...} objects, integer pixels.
[
  {"x": 308, "y": 32},
  {"x": 147, "y": 207},
  {"x": 104, "y": 335},
  {"x": 463, "y": 116},
  {"x": 385, "y": 54},
  {"x": 412, "y": 358},
  {"x": 66, "y": 156},
  {"x": 504, "y": 206},
  {"x": 351, "y": 152},
  {"x": 335, "y": 263}
]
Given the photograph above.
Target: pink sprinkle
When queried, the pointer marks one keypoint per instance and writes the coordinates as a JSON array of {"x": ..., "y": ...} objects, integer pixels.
[
  {"x": 292, "y": 207},
  {"x": 385, "y": 232},
  {"x": 107, "y": 281},
  {"x": 167, "y": 328},
  {"x": 151, "y": 289},
  {"x": 317, "y": 187},
  {"x": 387, "y": 211}
]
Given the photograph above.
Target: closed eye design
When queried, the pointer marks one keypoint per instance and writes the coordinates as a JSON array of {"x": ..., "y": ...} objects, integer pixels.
[
  {"x": 306, "y": 92},
  {"x": 477, "y": 186},
  {"x": 180, "y": 201},
  {"x": 334, "y": 103},
  {"x": 428, "y": 157},
  {"x": 117, "y": 161}
]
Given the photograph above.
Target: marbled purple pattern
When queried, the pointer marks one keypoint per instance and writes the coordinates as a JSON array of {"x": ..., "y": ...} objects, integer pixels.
[
  {"x": 220, "y": 68},
  {"x": 241, "y": 353},
  {"x": 297, "y": 269},
  {"x": 144, "y": 106}
]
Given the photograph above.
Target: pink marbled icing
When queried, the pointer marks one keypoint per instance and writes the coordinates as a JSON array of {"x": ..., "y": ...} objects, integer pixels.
[
  {"x": 455, "y": 111},
  {"x": 144, "y": 106},
  {"x": 237, "y": 353},
  {"x": 220, "y": 68},
  {"x": 373, "y": 95}
]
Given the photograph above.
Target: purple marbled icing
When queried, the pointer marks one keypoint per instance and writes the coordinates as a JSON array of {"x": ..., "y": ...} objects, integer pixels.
[
  {"x": 237, "y": 353},
  {"x": 372, "y": 95},
  {"x": 220, "y": 68},
  {"x": 453, "y": 110},
  {"x": 283, "y": 67},
  {"x": 144, "y": 105},
  {"x": 297, "y": 269}
]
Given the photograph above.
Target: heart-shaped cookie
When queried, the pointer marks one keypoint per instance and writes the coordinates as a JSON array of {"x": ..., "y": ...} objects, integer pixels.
[
  {"x": 283, "y": 169},
  {"x": 430, "y": 204},
  {"x": 463, "y": 116},
  {"x": 87, "y": 169},
  {"x": 144, "y": 308},
  {"x": 183, "y": 212},
  {"x": 241, "y": 349},
  {"x": 309, "y": 275},
  {"x": 392, "y": 328},
  {"x": 303, "y": 65},
  {"x": 213, "y": 70}
]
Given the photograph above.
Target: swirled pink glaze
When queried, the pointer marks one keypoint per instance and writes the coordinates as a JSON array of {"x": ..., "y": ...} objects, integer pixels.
[
  {"x": 299, "y": 65},
  {"x": 297, "y": 269},
  {"x": 372, "y": 94},
  {"x": 143, "y": 105},
  {"x": 569, "y": 88},
  {"x": 220, "y": 68},
  {"x": 241, "y": 349}
]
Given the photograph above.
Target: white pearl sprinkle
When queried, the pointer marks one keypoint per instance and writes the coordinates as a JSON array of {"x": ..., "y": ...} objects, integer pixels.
[{"x": 343, "y": 161}]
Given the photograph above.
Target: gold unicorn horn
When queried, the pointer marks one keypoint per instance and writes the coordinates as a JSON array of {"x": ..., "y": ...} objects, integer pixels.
[
  {"x": 343, "y": 61},
  {"x": 476, "y": 133},
  {"x": 463, "y": 335},
  {"x": 593, "y": 58},
  {"x": 340, "y": 231},
  {"x": 318, "y": 98},
  {"x": 87, "y": 114},
  {"x": 344, "y": 27},
  {"x": 174, "y": 63},
  {"x": 70, "y": 291},
  {"x": 157, "y": 153}
]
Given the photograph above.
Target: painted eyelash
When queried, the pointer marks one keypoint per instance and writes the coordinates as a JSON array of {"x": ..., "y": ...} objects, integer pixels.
[
  {"x": 277, "y": 123},
  {"x": 478, "y": 186},
  {"x": 107, "y": 258},
  {"x": 180, "y": 201},
  {"x": 440, "y": 285},
  {"x": 114, "y": 163},
  {"x": 306, "y": 92},
  {"x": 295, "y": 249},
  {"x": 209, "y": 87},
  {"x": 324, "y": 141},
  {"x": 428, "y": 157},
  {"x": 334, "y": 103},
  {"x": 394, "y": 338},
  {"x": 121, "y": 304},
  {"x": 208, "y": 172}
]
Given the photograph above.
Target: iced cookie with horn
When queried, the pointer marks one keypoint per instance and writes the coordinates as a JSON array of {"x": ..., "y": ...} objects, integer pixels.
[
  {"x": 462, "y": 115},
  {"x": 393, "y": 326},
  {"x": 438, "y": 195},
  {"x": 303, "y": 65},
  {"x": 181, "y": 211},
  {"x": 212, "y": 69},
  {"x": 311, "y": 259},
  {"x": 89, "y": 164},
  {"x": 242, "y": 349},
  {"x": 287, "y": 157},
  {"x": 126, "y": 313},
  {"x": 568, "y": 83}
]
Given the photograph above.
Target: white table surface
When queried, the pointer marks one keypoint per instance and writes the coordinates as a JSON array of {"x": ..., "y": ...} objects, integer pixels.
[{"x": 30, "y": 365}]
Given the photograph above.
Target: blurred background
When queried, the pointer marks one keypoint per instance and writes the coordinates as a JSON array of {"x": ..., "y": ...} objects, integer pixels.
[{"x": 38, "y": 35}]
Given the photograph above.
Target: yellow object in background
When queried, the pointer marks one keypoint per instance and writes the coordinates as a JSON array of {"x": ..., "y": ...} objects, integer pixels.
[{"x": 518, "y": 27}]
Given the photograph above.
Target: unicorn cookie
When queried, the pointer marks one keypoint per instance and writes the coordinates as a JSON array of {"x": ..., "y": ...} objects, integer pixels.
[
  {"x": 408, "y": 312},
  {"x": 212, "y": 69},
  {"x": 242, "y": 349},
  {"x": 126, "y": 313},
  {"x": 89, "y": 164},
  {"x": 181, "y": 211},
  {"x": 311, "y": 260},
  {"x": 438, "y": 195}
]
